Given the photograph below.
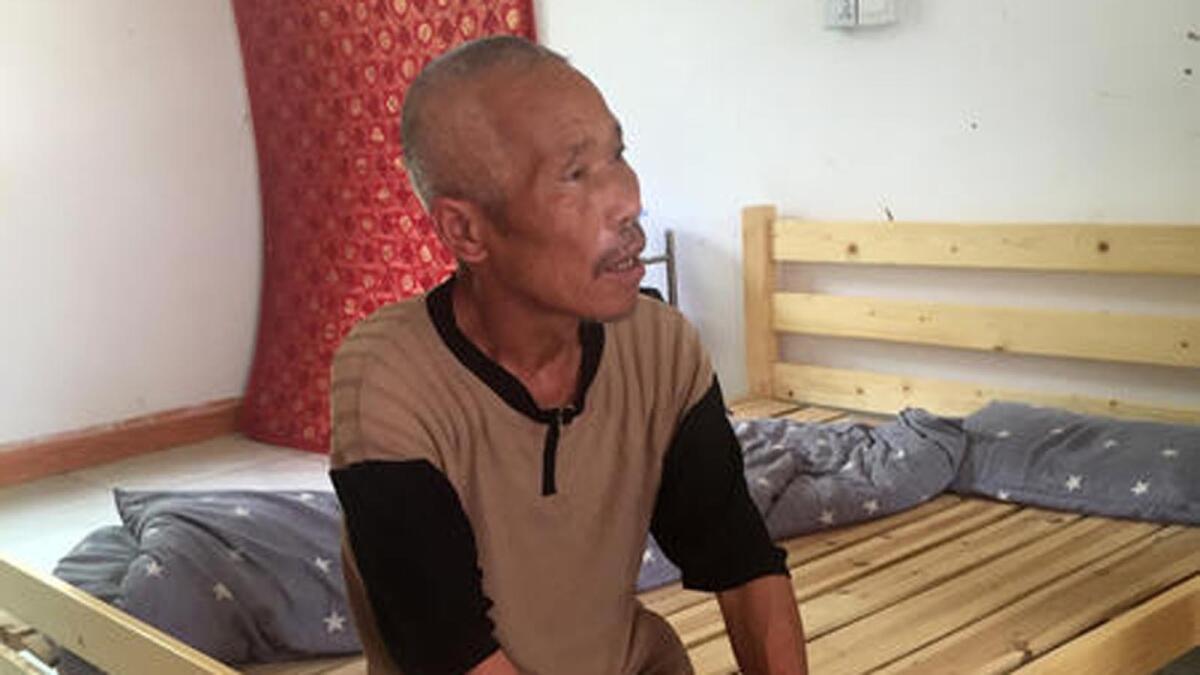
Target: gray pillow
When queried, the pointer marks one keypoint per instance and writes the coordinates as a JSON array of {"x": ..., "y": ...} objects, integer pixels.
[
  {"x": 244, "y": 576},
  {"x": 1083, "y": 463}
]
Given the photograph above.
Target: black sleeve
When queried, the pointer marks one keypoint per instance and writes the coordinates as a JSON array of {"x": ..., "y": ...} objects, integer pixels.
[
  {"x": 704, "y": 518},
  {"x": 416, "y": 554}
]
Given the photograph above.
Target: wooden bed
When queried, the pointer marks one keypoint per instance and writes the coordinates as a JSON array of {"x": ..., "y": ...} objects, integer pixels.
[{"x": 955, "y": 585}]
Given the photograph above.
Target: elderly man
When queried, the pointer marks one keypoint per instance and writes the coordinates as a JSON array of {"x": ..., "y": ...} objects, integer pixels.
[{"x": 503, "y": 445}]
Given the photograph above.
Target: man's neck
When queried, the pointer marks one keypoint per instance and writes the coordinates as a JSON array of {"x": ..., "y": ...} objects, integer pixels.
[{"x": 540, "y": 348}]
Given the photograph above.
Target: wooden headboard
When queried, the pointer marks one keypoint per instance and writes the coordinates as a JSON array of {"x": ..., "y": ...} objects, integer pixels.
[{"x": 1160, "y": 339}]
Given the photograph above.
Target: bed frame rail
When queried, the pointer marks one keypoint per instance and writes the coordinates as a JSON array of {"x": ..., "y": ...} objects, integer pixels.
[
  {"x": 106, "y": 637},
  {"x": 1160, "y": 340}
]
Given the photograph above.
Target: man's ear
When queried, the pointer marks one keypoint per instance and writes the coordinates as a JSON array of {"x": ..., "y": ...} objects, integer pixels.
[{"x": 459, "y": 225}]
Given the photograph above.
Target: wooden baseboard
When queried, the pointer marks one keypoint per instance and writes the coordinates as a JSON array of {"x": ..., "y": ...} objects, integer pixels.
[{"x": 40, "y": 457}]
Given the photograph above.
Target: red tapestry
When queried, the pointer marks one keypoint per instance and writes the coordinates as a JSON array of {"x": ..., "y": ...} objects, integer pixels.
[{"x": 343, "y": 232}]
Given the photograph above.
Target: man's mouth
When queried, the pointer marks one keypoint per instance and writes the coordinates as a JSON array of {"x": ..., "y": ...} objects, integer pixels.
[{"x": 622, "y": 265}]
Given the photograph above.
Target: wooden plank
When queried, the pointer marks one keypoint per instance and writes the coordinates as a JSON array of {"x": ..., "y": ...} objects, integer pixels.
[
  {"x": 103, "y": 635},
  {"x": 12, "y": 630},
  {"x": 1056, "y": 613},
  {"x": 812, "y": 546},
  {"x": 886, "y": 394},
  {"x": 348, "y": 665},
  {"x": 358, "y": 667},
  {"x": 1105, "y": 336},
  {"x": 21, "y": 637},
  {"x": 1139, "y": 641},
  {"x": 703, "y": 621},
  {"x": 883, "y": 588},
  {"x": 37, "y": 458},
  {"x": 670, "y": 599},
  {"x": 894, "y": 632},
  {"x": 1137, "y": 249},
  {"x": 853, "y": 562},
  {"x": 814, "y": 413},
  {"x": 761, "y": 407},
  {"x": 869, "y": 419},
  {"x": 762, "y": 345},
  {"x": 11, "y": 663}
]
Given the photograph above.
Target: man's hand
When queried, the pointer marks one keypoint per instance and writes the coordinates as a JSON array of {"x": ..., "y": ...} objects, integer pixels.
[
  {"x": 496, "y": 664},
  {"x": 764, "y": 627}
]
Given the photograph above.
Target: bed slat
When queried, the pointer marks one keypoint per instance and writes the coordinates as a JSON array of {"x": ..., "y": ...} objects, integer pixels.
[
  {"x": 1104, "y": 336},
  {"x": 103, "y": 635},
  {"x": 767, "y": 407},
  {"x": 814, "y": 413},
  {"x": 354, "y": 665},
  {"x": 813, "y": 546},
  {"x": 927, "y": 569},
  {"x": 1138, "y": 249},
  {"x": 1139, "y": 641},
  {"x": 11, "y": 663},
  {"x": 892, "y": 633},
  {"x": 885, "y": 394},
  {"x": 1054, "y": 614},
  {"x": 876, "y": 553},
  {"x": 703, "y": 622}
]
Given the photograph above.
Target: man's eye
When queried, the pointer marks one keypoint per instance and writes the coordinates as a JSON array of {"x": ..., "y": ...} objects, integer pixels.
[
  {"x": 576, "y": 174},
  {"x": 620, "y": 154}
]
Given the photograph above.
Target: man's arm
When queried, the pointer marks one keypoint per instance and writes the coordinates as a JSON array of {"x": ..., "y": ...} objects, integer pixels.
[
  {"x": 414, "y": 552},
  {"x": 707, "y": 524},
  {"x": 764, "y": 626}
]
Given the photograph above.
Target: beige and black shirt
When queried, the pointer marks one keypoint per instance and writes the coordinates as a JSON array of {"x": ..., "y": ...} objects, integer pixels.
[{"x": 477, "y": 520}]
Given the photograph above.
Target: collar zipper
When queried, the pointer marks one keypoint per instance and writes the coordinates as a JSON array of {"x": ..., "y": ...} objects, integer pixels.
[{"x": 559, "y": 418}]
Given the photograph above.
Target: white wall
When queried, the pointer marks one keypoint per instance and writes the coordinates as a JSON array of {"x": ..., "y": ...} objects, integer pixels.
[
  {"x": 1009, "y": 110},
  {"x": 129, "y": 215}
]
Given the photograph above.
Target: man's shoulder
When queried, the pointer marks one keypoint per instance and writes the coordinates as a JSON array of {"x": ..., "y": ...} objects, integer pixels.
[
  {"x": 383, "y": 371},
  {"x": 654, "y": 317},
  {"x": 393, "y": 325}
]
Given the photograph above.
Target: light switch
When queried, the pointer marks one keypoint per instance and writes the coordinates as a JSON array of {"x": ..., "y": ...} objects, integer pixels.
[{"x": 876, "y": 12}]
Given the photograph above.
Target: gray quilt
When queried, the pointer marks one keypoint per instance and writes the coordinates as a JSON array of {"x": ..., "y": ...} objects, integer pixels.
[
  {"x": 1083, "y": 463},
  {"x": 244, "y": 576},
  {"x": 805, "y": 477}
]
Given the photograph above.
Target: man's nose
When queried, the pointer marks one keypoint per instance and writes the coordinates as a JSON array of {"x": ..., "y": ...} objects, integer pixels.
[{"x": 626, "y": 196}]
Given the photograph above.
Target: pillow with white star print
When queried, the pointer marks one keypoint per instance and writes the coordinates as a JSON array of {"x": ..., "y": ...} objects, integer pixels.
[
  {"x": 1083, "y": 463},
  {"x": 244, "y": 576}
]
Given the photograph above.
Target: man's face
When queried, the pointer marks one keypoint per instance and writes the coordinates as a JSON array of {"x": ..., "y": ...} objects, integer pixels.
[{"x": 569, "y": 241}]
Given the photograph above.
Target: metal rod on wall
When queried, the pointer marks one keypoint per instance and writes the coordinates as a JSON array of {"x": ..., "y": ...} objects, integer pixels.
[{"x": 667, "y": 258}]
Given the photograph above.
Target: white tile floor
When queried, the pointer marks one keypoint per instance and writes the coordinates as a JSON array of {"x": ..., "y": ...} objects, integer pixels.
[{"x": 42, "y": 520}]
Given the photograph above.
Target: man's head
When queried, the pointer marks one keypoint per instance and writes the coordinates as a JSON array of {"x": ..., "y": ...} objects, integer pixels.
[{"x": 519, "y": 162}]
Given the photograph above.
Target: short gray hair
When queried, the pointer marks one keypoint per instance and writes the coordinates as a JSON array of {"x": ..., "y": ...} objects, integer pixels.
[{"x": 424, "y": 152}]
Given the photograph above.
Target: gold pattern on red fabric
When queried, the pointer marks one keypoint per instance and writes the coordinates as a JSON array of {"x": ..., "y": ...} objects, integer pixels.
[{"x": 343, "y": 233}]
